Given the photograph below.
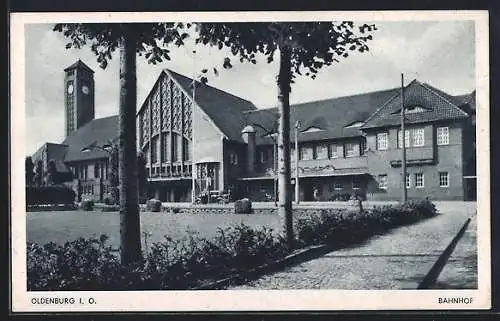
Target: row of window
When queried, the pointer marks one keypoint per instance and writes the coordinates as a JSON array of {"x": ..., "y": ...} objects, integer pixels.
[
  {"x": 100, "y": 170},
  {"x": 177, "y": 170},
  {"x": 444, "y": 180},
  {"x": 413, "y": 138},
  {"x": 169, "y": 153},
  {"x": 88, "y": 189},
  {"x": 320, "y": 151}
]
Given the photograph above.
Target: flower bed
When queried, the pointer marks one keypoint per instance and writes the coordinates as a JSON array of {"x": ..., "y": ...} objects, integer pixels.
[{"x": 91, "y": 264}]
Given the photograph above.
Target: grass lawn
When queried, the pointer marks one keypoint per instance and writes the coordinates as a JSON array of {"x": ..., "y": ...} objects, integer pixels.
[{"x": 62, "y": 226}]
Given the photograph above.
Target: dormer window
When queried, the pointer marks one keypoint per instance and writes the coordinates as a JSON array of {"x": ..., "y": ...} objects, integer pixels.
[
  {"x": 312, "y": 129},
  {"x": 355, "y": 124},
  {"x": 412, "y": 110}
]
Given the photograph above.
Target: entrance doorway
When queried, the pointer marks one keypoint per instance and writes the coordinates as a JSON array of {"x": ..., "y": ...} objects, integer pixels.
[{"x": 470, "y": 188}]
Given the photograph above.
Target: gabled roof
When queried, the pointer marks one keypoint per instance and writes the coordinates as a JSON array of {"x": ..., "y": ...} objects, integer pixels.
[
  {"x": 440, "y": 106},
  {"x": 224, "y": 109},
  {"x": 469, "y": 100},
  {"x": 79, "y": 64},
  {"x": 98, "y": 131},
  {"x": 333, "y": 116}
]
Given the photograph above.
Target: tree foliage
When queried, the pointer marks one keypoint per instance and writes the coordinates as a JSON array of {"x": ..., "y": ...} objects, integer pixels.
[
  {"x": 313, "y": 44},
  {"x": 29, "y": 170},
  {"x": 38, "y": 179},
  {"x": 104, "y": 38}
]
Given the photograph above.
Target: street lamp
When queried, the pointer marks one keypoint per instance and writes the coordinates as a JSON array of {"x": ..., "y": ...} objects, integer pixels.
[
  {"x": 272, "y": 134},
  {"x": 194, "y": 171},
  {"x": 297, "y": 188}
]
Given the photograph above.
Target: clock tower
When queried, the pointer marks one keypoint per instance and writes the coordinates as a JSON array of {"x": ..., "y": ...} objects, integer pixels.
[{"x": 78, "y": 96}]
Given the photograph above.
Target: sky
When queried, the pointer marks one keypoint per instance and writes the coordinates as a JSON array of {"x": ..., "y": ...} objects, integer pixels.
[{"x": 438, "y": 53}]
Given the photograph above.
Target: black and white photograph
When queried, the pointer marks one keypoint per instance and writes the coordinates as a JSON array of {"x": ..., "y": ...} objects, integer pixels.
[{"x": 197, "y": 161}]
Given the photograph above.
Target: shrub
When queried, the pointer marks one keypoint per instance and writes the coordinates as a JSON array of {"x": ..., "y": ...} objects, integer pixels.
[
  {"x": 343, "y": 226},
  {"x": 90, "y": 264},
  {"x": 175, "y": 210},
  {"x": 50, "y": 195},
  {"x": 153, "y": 205},
  {"x": 109, "y": 200},
  {"x": 109, "y": 208},
  {"x": 87, "y": 205},
  {"x": 243, "y": 206}
]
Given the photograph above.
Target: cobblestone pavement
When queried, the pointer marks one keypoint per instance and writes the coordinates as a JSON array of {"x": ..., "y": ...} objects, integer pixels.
[
  {"x": 396, "y": 260},
  {"x": 461, "y": 270}
]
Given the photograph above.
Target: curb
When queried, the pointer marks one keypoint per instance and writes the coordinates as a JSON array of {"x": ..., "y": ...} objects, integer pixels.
[
  {"x": 243, "y": 277},
  {"x": 431, "y": 277}
]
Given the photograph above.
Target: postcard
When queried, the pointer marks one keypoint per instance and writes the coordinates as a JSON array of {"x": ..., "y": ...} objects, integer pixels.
[{"x": 250, "y": 161}]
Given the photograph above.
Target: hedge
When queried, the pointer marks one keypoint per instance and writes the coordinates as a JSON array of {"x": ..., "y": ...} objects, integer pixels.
[
  {"x": 91, "y": 264},
  {"x": 49, "y": 195},
  {"x": 340, "y": 226}
]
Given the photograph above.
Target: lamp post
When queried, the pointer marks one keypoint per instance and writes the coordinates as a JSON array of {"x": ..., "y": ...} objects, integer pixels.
[
  {"x": 193, "y": 163},
  {"x": 404, "y": 195},
  {"x": 297, "y": 187}
]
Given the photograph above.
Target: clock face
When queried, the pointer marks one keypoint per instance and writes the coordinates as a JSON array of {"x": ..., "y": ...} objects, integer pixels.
[
  {"x": 85, "y": 90},
  {"x": 70, "y": 89}
]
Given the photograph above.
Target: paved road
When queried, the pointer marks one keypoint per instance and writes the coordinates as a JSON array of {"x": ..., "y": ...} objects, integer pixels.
[{"x": 396, "y": 260}]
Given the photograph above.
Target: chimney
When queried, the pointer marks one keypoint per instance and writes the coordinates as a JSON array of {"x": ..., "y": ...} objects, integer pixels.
[{"x": 248, "y": 135}]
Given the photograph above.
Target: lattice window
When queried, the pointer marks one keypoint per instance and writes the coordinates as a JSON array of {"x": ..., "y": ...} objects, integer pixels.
[
  {"x": 155, "y": 107},
  {"x": 187, "y": 119},
  {"x": 167, "y": 103},
  {"x": 177, "y": 110},
  {"x": 145, "y": 123}
]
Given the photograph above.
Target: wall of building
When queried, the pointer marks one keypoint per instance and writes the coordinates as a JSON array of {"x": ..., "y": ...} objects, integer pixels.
[
  {"x": 208, "y": 142},
  {"x": 447, "y": 158}
]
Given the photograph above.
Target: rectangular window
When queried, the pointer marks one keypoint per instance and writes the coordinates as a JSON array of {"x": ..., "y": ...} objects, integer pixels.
[
  {"x": 106, "y": 169},
  {"x": 408, "y": 181},
  {"x": 305, "y": 152},
  {"x": 419, "y": 180},
  {"x": 165, "y": 148},
  {"x": 336, "y": 151},
  {"x": 362, "y": 146},
  {"x": 418, "y": 137},
  {"x": 338, "y": 186},
  {"x": 175, "y": 147},
  {"x": 382, "y": 181},
  {"x": 154, "y": 150},
  {"x": 96, "y": 170},
  {"x": 186, "y": 151},
  {"x": 351, "y": 149},
  {"x": 321, "y": 151},
  {"x": 443, "y": 136},
  {"x": 407, "y": 138},
  {"x": 264, "y": 156},
  {"x": 233, "y": 158},
  {"x": 382, "y": 141},
  {"x": 444, "y": 179}
]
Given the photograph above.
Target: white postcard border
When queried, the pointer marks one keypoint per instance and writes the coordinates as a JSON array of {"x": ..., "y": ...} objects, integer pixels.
[{"x": 260, "y": 300}]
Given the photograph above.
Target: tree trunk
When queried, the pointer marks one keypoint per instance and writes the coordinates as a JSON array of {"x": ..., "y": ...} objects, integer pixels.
[
  {"x": 284, "y": 196},
  {"x": 130, "y": 236}
]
